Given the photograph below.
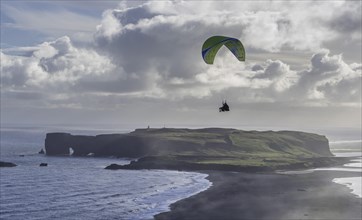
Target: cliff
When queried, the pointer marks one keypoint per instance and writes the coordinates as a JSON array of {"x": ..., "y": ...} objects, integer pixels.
[
  {"x": 219, "y": 148},
  {"x": 119, "y": 145}
]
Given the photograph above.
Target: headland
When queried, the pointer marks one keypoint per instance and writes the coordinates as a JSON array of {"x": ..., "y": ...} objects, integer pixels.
[
  {"x": 201, "y": 149},
  {"x": 241, "y": 166}
]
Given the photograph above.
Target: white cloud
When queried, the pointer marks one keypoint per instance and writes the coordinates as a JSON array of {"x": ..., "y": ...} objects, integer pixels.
[
  {"x": 152, "y": 51},
  {"x": 109, "y": 25},
  {"x": 165, "y": 37},
  {"x": 54, "y": 65},
  {"x": 331, "y": 80},
  {"x": 268, "y": 26}
]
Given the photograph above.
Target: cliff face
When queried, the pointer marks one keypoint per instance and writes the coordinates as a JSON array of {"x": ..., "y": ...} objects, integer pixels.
[
  {"x": 206, "y": 143},
  {"x": 120, "y": 145},
  {"x": 57, "y": 143},
  {"x": 311, "y": 142}
]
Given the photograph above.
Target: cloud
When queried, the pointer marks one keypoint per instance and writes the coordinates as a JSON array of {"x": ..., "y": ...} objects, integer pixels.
[
  {"x": 348, "y": 18},
  {"x": 165, "y": 38},
  {"x": 330, "y": 79},
  {"x": 152, "y": 51},
  {"x": 53, "y": 65},
  {"x": 59, "y": 70},
  {"x": 285, "y": 25}
]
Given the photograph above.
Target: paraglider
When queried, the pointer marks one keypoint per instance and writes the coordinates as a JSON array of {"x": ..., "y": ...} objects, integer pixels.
[
  {"x": 210, "y": 48},
  {"x": 212, "y": 45},
  {"x": 224, "y": 107}
]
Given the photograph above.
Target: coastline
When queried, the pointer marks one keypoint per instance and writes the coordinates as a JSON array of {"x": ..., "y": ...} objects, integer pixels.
[
  {"x": 237, "y": 195},
  {"x": 225, "y": 195},
  {"x": 242, "y": 171}
]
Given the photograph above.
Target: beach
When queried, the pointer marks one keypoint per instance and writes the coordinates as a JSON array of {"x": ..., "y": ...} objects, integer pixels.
[{"x": 234, "y": 195}]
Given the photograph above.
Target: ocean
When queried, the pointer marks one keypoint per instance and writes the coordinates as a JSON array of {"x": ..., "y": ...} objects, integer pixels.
[
  {"x": 80, "y": 188},
  {"x": 344, "y": 148},
  {"x": 349, "y": 148}
]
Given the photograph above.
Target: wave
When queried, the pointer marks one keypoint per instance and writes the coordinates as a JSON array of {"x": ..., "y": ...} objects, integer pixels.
[
  {"x": 353, "y": 183},
  {"x": 345, "y": 142},
  {"x": 69, "y": 186}
]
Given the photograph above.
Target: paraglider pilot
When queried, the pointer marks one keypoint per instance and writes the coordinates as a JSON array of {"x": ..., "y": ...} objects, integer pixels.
[{"x": 224, "y": 107}]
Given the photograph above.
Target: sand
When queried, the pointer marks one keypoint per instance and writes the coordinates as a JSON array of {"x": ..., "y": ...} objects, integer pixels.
[{"x": 270, "y": 196}]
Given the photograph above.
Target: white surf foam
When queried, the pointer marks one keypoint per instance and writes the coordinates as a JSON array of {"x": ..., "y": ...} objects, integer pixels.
[{"x": 354, "y": 183}]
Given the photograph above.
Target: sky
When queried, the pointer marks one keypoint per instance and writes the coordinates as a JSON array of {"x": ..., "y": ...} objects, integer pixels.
[{"x": 138, "y": 63}]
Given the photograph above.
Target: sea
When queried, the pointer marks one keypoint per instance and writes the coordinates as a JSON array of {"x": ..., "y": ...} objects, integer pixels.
[
  {"x": 343, "y": 148},
  {"x": 348, "y": 148},
  {"x": 80, "y": 188}
]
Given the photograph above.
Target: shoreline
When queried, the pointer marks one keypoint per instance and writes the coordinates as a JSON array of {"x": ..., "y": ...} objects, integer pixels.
[{"x": 238, "y": 195}]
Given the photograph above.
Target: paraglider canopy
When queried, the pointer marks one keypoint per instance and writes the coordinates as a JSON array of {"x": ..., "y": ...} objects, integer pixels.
[{"x": 212, "y": 45}]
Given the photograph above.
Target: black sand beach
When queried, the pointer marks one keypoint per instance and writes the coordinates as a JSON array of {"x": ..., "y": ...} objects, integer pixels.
[{"x": 270, "y": 196}]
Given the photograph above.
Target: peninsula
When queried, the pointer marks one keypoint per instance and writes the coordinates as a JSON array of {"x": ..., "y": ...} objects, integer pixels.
[{"x": 200, "y": 149}]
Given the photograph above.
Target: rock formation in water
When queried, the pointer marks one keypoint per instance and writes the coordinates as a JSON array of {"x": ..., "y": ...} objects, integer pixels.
[
  {"x": 7, "y": 164},
  {"x": 120, "y": 145}
]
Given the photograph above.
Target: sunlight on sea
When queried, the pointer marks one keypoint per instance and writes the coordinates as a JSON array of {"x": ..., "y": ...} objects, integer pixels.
[
  {"x": 349, "y": 149},
  {"x": 343, "y": 149},
  {"x": 354, "y": 183}
]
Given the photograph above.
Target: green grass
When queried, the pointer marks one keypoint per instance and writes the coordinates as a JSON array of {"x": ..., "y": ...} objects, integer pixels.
[{"x": 235, "y": 147}]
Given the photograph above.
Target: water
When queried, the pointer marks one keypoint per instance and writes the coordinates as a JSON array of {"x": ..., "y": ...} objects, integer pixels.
[
  {"x": 80, "y": 188},
  {"x": 353, "y": 149},
  {"x": 350, "y": 149},
  {"x": 353, "y": 183}
]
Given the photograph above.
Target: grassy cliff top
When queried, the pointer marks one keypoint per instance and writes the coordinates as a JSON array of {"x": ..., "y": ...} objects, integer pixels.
[
  {"x": 207, "y": 148},
  {"x": 236, "y": 147}
]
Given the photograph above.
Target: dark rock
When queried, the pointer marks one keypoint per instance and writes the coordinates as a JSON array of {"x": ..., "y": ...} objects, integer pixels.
[
  {"x": 113, "y": 166},
  {"x": 41, "y": 151},
  {"x": 57, "y": 144},
  {"x": 118, "y": 145},
  {"x": 43, "y": 165},
  {"x": 7, "y": 164}
]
